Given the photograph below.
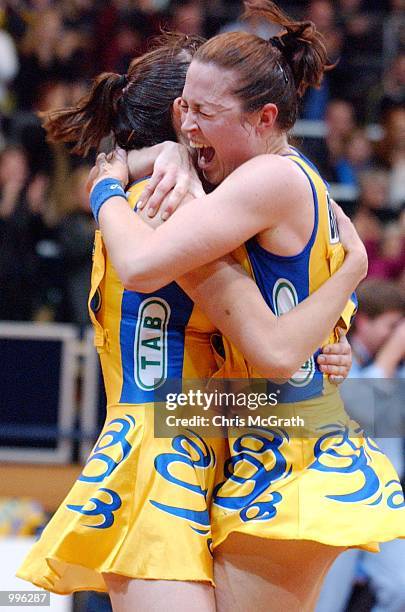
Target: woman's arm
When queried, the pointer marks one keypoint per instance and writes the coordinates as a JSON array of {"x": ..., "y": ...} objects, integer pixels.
[
  {"x": 204, "y": 230},
  {"x": 172, "y": 177},
  {"x": 234, "y": 304}
]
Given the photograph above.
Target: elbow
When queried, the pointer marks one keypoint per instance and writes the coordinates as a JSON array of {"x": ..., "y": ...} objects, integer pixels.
[
  {"x": 135, "y": 277},
  {"x": 140, "y": 283},
  {"x": 279, "y": 365}
]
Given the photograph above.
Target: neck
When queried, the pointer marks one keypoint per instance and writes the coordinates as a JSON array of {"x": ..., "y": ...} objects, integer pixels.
[{"x": 277, "y": 144}]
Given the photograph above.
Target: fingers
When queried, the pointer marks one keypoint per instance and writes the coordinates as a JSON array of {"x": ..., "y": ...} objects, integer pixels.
[
  {"x": 334, "y": 359},
  {"x": 336, "y": 380},
  {"x": 338, "y": 348},
  {"x": 340, "y": 357},
  {"x": 161, "y": 192},
  {"x": 96, "y": 171},
  {"x": 334, "y": 370},
  {"x": 336, "y": 373},
  {"x": 101, "y": 160},
  {"x": 120, "y": 154},
  {"x": 149, "y": 189},
  {"x": 338, "y": 210},
  {"x": 177, "y": 195},
  {"x": 91, "y": 178},
  {"x": 173, "y": 187},
  {"x": 341, "y": 333}
]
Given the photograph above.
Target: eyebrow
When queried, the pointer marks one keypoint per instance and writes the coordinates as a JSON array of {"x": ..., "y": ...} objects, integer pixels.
[{"x": 207, "y": 105}]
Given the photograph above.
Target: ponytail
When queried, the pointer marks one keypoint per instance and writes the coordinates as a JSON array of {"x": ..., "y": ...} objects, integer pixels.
[
  {"x": 278, "y": 70},
  {"x": 136, "y": 108},
  {"x": 301, "y": 44},
  {"x": 92, "y": 119}
]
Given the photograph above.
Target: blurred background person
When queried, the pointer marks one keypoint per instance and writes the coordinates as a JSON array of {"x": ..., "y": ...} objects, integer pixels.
[
  {"x": 76, "y": 237},
  {"x": 20, "y": 229},
  {"x": 378, "y": 345}
]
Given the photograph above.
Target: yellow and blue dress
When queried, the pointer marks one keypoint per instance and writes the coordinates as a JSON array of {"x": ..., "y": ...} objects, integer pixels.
[
  {"x": 140, "y": 507},
  {"x": 318, "y": 478}
]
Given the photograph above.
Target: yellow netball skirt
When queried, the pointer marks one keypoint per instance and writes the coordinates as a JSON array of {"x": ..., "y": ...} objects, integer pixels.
[
  {"x": 140, "y": 509},
  {"x": 317, "y": 479}
]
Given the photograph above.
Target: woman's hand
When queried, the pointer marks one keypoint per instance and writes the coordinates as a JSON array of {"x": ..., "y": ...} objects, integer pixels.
[
  {"x": 336, "y": 359},
  {"x": 174, "y": 178},
  {"x": 351, "y": 241},
  {"x": 114, "y": 165}
]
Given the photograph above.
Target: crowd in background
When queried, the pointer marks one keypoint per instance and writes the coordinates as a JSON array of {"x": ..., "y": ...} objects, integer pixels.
[{"x": 50, "y": 51}]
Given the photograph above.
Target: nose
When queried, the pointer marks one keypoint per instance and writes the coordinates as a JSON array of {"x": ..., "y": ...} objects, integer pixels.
[{"x": 189, "y": 123}]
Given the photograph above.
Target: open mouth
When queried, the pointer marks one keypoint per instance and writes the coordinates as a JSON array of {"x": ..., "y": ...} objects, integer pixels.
[{"x": 205, "y": 156}]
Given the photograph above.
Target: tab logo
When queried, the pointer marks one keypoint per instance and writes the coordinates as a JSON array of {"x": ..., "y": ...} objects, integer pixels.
[{"x": 150, "y": 348}]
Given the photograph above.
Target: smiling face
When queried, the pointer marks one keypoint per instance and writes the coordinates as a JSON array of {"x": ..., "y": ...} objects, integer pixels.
[{"x": 215, "y": 124}]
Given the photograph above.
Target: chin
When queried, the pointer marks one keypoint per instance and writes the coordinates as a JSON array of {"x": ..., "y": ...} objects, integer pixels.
[{"x": 214, "y": 177}]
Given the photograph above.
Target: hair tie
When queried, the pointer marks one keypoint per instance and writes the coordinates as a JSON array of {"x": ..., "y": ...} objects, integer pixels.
[
  {"x": 124, "y": 83},
  {"x": 276, "y": 42}
]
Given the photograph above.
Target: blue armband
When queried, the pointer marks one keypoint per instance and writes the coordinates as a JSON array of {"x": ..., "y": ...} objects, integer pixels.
[{"x": 107, "y": 188}]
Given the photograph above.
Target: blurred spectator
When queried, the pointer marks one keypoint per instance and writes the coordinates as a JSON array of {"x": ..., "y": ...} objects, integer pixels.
[
  {"x": 257, "y": 26},
  {"x": 361, "y": 58},
  {"x": 126, "y": 28},
  {"x": 373, "y": 197},
  {"x": 322, "y": 13},
  {"x": 391, "y": 153},
  {"x": 125, "y": 45},
  {"x": 188, "y": 17},
  {"x": 76, "y": 237},
  {"x": 387, "y": 93},
  {"x": 358, "y": 24},
  {"x": 389, "y": 258},
  {"x": 378, "y": 345},
  {"x": 394, "y": 31},
  {"x": 384, "y": 240},
  {"x": 329, "y": 153},
  {"x": 48, "y": 54},
  {"x": 359, "y": 152},
  {"x": 79, "y": 14},
  {"x": 20, "y": 229}
]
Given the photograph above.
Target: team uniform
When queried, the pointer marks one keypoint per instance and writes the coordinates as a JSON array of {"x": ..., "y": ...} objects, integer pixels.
[
  {"x": 313, "y": 475},
  {"x": 140, "y": 507}
]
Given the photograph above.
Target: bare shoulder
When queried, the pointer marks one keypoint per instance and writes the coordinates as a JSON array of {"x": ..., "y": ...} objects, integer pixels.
[
  {"x": 272, "y": 180},
  {"x": 272, "y": 170}
]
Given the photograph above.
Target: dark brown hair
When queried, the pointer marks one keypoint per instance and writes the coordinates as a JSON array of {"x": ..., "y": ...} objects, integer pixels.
[
  {"x": 136, "y": 108},
  {"x": 277, "y": 71}
]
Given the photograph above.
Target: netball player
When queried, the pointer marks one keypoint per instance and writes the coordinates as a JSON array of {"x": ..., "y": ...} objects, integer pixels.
[
  {"x": 119, "y": 523},
  {"x": 239, "y": 102}
]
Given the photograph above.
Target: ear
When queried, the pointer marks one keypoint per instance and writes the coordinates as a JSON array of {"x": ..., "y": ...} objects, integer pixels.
[
  {"x": 177, "y": 108},
  {"x": 267, "y": 117},
  {"x": 176, "y": 114}
]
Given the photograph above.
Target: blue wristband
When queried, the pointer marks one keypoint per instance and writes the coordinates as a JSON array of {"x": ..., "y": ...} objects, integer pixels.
[{"x": 105, "y": 189}]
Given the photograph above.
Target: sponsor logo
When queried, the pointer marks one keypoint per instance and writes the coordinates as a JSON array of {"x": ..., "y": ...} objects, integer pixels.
[
  {"x": 151, "y": 344},
  {"x": 285, "y": 298}
]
